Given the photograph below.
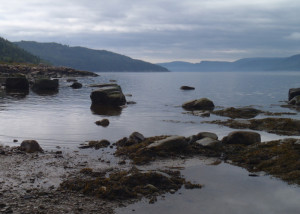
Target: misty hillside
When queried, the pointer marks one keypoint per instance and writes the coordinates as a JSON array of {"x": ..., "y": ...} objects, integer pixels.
[
  {"x": 248, "y": 64},
  {"x": 86, "y": 59},
  {"x": 10, "y": 53}
]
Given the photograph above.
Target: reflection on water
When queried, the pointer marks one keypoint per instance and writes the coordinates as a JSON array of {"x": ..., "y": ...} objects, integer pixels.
[{"x": 106, "y": 110}]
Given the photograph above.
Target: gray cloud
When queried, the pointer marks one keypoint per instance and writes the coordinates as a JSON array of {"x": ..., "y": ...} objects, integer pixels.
[{"x": 159, "y": 30}]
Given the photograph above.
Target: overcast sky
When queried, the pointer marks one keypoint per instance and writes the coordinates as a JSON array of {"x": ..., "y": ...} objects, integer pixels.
[{"x": 160, "y": 30}]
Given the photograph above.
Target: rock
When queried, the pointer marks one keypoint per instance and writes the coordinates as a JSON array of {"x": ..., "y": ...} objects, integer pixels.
[
  {"x": 211, "y": 135},
  {"x": 208, "y": 142},
  {"x": 30, "y": 146},
  {"x": 104, "y": 122},
  {"x": 45, "y": 85},
  {"x": 293, "y": 92},
  {"x": 295, "y": 101},
  {"x": 71, "y": 80},
  {"x": 244, "y": 112},
  {"x": 99, "y": 144},
  {"x": 172, "y": 142},
  {"x": 76, "y": 85},
  {"x": 108, "y": 95},
  {"x": 17, "y": 83},
  {"x": 136, "y": 137},
  {"x": 131, "y": 103},
  {"x": 184, "y": 87},
  {"x": 242, "y": 137},
  {"x": 200, "y": 104}
]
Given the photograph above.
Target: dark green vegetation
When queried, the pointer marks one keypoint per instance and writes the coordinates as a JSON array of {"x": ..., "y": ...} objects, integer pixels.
[
  {"x": 248, "y": 64},
  {"x": 11, "y": 53},
  {"x": 132, "y": 184},
  {"x": 86, "y": 59}
]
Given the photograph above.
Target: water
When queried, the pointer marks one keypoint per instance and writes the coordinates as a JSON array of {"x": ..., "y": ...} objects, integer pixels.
[{"x": 66, "y": 120}]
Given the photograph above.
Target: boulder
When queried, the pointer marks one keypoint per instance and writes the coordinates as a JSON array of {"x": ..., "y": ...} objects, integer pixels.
[
  {"x": 136, "y": 137},
  {"x": 17, "y": 83},
  {"x": 293, "y": 92},
  {"x": 108, "y": 95},
  {"x": 211, "y": 135},
  {"x": 104, "y": 122},
  {"x": 242, "y": 137},
  {"x": 200, "y": 104},
  {"x": 295, "y": 101},
  {"x": 45, "y": 85},
  {"x": 76, "y": 85},
  {"x": 30, "y": 146},
  {"x": 169, "y": 143},
  {"x": 208, "y": 142},
  {"x": 185, "y": 87}
]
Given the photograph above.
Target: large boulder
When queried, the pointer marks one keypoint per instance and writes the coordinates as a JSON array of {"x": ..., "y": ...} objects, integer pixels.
[
  {"x": 169, "y": 143},
  {"x": 45, "y": 85},
  {"x": 200, "y": 104},
  {"x": 295, "y": 101},
  {"x": 108, "y": 95},
  {"x": 294, "y": 92},
  {"x": 242, "y": 137},
  {"x": 17, "y": 83},
  {"x": 30, "y": 146}
]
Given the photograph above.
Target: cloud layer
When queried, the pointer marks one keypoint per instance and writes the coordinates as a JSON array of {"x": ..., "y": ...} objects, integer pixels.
[{"x": 160, "y": 30}]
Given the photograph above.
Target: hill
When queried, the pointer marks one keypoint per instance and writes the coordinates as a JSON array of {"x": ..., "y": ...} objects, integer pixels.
[
  {"x": 247, "y": 64},
  {"x": 10, "y": 53},
  {"x": 86, "y": 59}
]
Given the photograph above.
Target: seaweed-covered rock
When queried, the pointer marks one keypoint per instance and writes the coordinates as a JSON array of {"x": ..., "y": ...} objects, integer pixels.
[
  {"x": 17, "y": 83},
  {"x": 242, "y": 137},
  {"x": 172, "y": 142},
  {"x": 96, "y": 144},
  {"x": 108, "y": 95},
  {"x": 245, "y": 112},
  {"x": 200, "y": 104},
  {"x": 294, "y": 92},
  {"x": 185, "y": 87},
  {"x": 30, "y": 146},
  {"x": 45, "y": 85},
  {"x": 295, "y": 101}
]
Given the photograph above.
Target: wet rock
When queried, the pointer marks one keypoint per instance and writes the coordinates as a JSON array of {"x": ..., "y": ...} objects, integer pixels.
[
  {"x": 30, "y": 146},
  {"x": 293, "y": 92},
  {"x": 295, "y": 101},
  {"x": 242, "y": 137},
  {"x": 208, "y": 142},
  {"x": 244, "y": 112},
  {"x": 45, "y": 85},
  {"x": 200, "y": 104},
  {"x": 106, "y": 110},
  {"x": 211, "y": 135},
  {"x": 104, "y": 122},
  {"x": 96, "y": 144},
  {"x": 108, "y": 95},
  {"x": 76, "y": 85},
  {"x": 185, "y": 87},
  {"x": 172, "y": 142},
  {"x": 136, "y": 137},
  {"x": 17, "y": 83},
  {"x": 72, "y": 80}
]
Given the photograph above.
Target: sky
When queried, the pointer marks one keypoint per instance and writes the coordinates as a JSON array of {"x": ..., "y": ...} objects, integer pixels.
[{"x": 160, "y": 30}]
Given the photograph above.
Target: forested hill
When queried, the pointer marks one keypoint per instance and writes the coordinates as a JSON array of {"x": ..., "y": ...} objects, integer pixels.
[
  {"x": 10, "y": 53},
  {"x": 86, "y": 59}
]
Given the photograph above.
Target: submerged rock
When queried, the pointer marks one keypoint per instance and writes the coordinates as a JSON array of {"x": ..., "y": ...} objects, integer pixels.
[
  {"x": 245, "y": 112},
  {"x": 30, "y": 146},
  {"x": 293, "y": 92},
  {"x": 108, "y": 95},
  {"x": 242, "y": 137},
  {"x": 200, "y": 104},
  {"x": 185, "y": 87}
]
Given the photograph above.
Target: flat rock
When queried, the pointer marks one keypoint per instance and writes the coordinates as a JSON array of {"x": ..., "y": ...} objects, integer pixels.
[
  {"x": 200, "y": 104},
  {"x": 242, "y": 137},
  {"x": 172, "y": 142},
  {"x": 207, "y": 142},
  {"x": 245, "y": 112}
]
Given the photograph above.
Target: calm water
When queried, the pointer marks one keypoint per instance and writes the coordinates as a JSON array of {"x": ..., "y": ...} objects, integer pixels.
[{"x": 66, "y": 120}]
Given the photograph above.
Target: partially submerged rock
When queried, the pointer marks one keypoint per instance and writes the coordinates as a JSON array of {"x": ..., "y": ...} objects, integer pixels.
[
  {"x": 293, "y": 92},
  {"x": 245, "y": 112},
  {"x": 30, "y": 146},
  {"x": 185, "y": 87},
  {"x": 242, "y": 137},
  {"x": 200, "y": 104},
  {"x": 103, "y": 122},
  {"x": 45, "y": 85},
  {"x": 108, "y": 95},
  {"x": 76, "y": 85},
  {"x": 17, "y": 83},
  {"x": 96, "y": 144}
]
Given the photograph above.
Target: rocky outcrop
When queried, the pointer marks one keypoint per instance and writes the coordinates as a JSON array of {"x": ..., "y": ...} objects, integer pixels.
[
  {"x": 111, "y": 95},
  {"x": 17, "y": 83},
  {"x": 30, "y": 146},
  {"x": 242, "y": 137},
  {"x": 200, "y": 104},
  {"x": 185, "y": 87},
  {"x": 45, "y": 85},
  {"x": 294, "y": 92},
  {"x": 295, "y": 101}
]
